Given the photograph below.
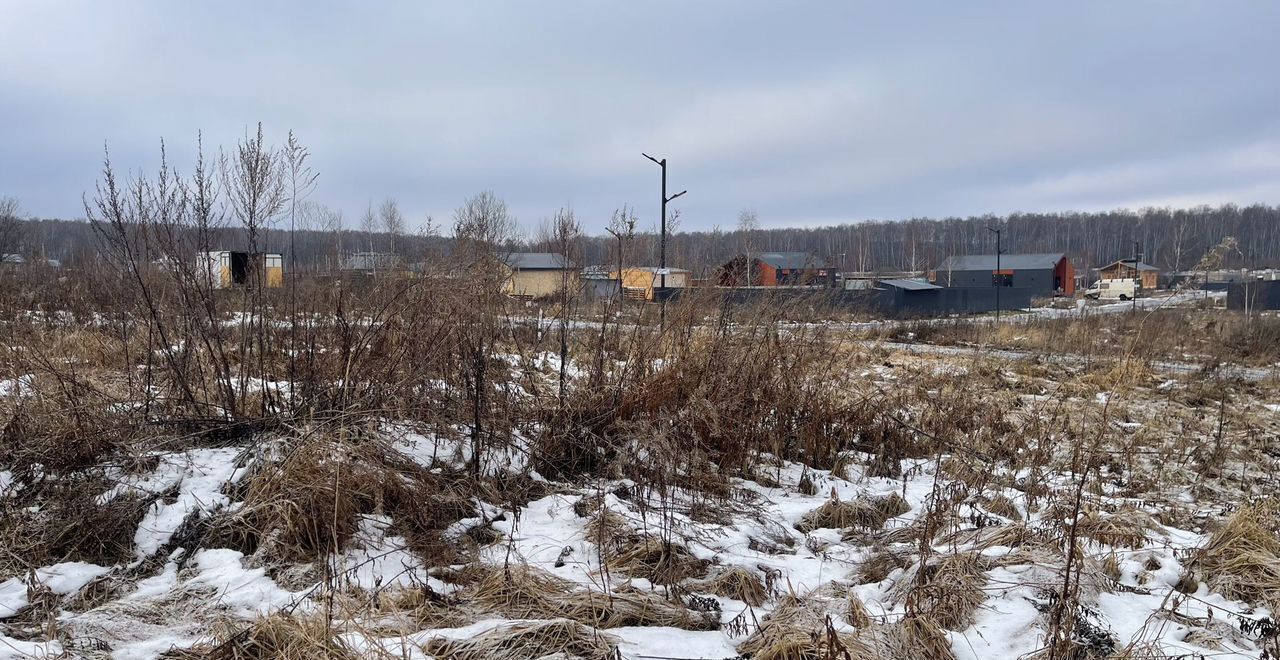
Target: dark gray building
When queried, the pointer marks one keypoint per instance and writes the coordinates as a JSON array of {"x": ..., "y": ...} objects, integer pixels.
[
  {"x": 1045, "y": 274},
  {"x": 906, "y": 298},
  {"x": 1255, "y": 295}
]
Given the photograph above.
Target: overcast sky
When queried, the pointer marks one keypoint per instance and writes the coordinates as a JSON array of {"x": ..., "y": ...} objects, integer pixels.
[{"x": 808, "y": 112}]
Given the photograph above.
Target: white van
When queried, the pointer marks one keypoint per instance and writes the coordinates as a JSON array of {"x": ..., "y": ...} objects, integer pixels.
[{"x": 1114, "y": 290}]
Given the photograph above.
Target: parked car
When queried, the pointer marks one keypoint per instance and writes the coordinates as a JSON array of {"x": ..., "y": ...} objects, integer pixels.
[{"x": 1114, "y": 290}]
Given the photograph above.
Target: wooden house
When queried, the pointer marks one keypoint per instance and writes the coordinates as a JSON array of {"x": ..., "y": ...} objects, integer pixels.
[{"x": 1132, "y": 269}]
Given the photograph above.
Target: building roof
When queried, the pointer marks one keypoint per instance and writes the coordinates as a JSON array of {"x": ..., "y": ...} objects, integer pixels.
[
  {"x": 655, "y": 269},
  {"x": 1007, "y": 261},
  {"x": 1129, "y": 262},
  {"x": 791, "y": 260},
  {"x": 911, "y": 285},
  {"x": 537, "y": 261}
]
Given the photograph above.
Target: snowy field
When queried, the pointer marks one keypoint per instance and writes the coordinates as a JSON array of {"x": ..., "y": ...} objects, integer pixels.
[{"x": 959, "y": 554}]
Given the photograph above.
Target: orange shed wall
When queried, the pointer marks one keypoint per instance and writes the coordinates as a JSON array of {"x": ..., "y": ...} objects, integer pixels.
[
  {"x": 1066, "y": 273},
  {"x": 768, "y": 275}
]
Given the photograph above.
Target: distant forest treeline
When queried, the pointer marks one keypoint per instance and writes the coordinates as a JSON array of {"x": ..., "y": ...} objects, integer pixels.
[{"x": 1171, "y": 239}]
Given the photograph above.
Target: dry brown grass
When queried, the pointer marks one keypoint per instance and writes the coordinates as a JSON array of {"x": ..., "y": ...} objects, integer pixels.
[
  {"x": 1242, "y": 558},
  {"x": 740, "y": 584},
  {"x": 798, "y": 630},
  {"x": 946, "y": 590},
  {"x": 880, "y": 565},
  {"x": 526, "y": 592},
  {"x": 1011, "y": 535},
  {"x": 913, "y": 638},
  {"x": 64, "y": 430},
  {"x": 1126, "y": 528},
  {"x": 277, "y": 637},
  {"x": 863, "y": 513},
  {"x": 557, "y": 638},
  {"x": 656, "y": 560},
  {"x": 795, "y": 631},
  {"x": 1002, "y": 506},
  {"x": 308, "y": 504},
  {"x": 63, "y": 520},
  {"x": 608, "y": 529}
]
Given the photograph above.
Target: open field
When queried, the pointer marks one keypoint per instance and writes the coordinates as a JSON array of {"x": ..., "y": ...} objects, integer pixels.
[
  {"x": 709, "y": 330},
  {"x": 415, "y": 470}
]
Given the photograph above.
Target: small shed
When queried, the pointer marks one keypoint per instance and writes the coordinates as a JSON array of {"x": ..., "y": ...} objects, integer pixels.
[
  {"x": 599, "y": 283},
  {"x": 1132, "y": 269},
  {"x": 537, "y": 274},
  {"x": 640, "y": 282},
  {"x": 229, "y": 268},
  {"x": 912, "y": 296}
]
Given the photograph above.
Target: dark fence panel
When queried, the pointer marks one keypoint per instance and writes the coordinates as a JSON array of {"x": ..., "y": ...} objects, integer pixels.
[{"x": 1257, "y": 295}]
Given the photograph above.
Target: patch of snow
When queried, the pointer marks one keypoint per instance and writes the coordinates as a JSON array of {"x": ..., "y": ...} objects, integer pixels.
[
  {"x": 22, "y": 386},
  {"x": 245, "y": 592},
  {"x": 198, "y": 475},
  {"x": 15, "y": 649},
  {"x": 379, "y": 560},
  {"x": 662, "y": 642},
  {"x": 62, "y": 579}
]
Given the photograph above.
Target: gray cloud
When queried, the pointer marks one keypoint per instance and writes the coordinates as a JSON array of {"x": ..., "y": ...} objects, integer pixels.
[{"x": 808, "y": 112}]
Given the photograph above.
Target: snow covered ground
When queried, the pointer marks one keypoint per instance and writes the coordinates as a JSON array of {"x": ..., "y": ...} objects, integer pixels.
[{"x": 1133, "y": 587}]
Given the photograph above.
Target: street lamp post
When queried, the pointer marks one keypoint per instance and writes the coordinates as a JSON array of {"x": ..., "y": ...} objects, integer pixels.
[{"x": 662, "y": 241}]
